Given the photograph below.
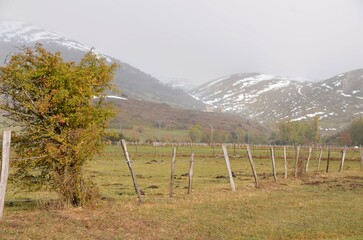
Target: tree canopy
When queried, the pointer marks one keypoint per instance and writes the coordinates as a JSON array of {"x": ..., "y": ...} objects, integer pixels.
[
  {"x": 62, "y": 114},
  {"x": 299, "y": 132},
  {"x": 195, "y": 133},
  {"x": 353, "y": 134}
]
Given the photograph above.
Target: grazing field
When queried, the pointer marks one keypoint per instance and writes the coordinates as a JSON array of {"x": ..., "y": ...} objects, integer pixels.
[{"x": 316, "y": 205}]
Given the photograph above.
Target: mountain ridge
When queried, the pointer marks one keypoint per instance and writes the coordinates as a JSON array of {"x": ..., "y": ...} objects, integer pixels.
[
  {"x": 132, "y": 81},
  {"x": 270, "y": 98}
]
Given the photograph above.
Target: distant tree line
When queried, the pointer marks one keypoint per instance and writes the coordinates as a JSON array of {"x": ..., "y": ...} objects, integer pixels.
[
  {"x": 352, "y": 135},
  {"x": 298, "y": 132},
  {"x": 198, "y": 134}
]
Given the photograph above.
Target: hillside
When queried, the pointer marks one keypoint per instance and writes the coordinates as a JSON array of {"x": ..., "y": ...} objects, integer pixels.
[
  {"x": 133, "y": 113},
  {"x": 269, "y": 99},
  {"x": 132, "y": 81}
]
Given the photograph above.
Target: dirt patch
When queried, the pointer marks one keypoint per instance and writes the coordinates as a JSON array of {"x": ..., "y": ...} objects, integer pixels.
[
  {"x": 356, "y": 186},
  {"x": 267, "y": 186},
  {"x": 142, "y": 176},
  {"x": 112, "y": 184},
  {"x": 152, "y": 161},
  {"x": 340, "y": 183},
  {"x": 221, "y": 177},
  {"x": 354, "y": 178}
]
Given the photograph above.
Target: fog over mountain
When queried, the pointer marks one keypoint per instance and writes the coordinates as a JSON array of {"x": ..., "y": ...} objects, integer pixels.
[
  {"x": 258, "y": 96},
  {"x": 205, "y": 39},
  {"x": 132, "y": 81}
]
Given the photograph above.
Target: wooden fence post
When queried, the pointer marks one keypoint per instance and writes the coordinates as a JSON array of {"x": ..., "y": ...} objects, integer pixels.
[
  {"x": 320, "y": 155},
  {"x": 135, "y": 150},
  {"x": 137, "y": 189},
  {"x": 214, "y": 149},
  {"x": 285, "y": 163},
  {"x": 328, "y": 162},
  {"x": 252, "y": 164},
  {"x": 273, "y": 163},
  {"x": 228, "y": 165},
  {"x": 4, "y": 169},
  {"x": 190, "y": 173},
  {"x": 308, "y": 160},
  {"x": 361, "y": 158},
  {"x": 343, "y": 158},
  {"x": 172, "y": 172},
  {"x": 297, "y": 160}
]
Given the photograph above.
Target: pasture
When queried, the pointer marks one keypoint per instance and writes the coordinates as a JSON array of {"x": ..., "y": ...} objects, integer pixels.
[{"x": 315, "y": 205}]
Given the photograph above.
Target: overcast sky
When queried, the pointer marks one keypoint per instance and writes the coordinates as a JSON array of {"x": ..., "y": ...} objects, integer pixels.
[{"x": 200, "y": 40}]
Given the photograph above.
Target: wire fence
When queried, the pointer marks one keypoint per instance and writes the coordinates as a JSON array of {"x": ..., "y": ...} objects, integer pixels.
[
  {"x": 203, "y": 150},
  {"x": 152, "y": 163}
]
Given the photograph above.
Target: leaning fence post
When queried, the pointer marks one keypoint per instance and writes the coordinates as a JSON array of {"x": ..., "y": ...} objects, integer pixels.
[
  {"x": 343, "y": 158},
  {"x": 214, "y": 149},
  {"x": 328, "y": 162},
  {"x": 172, "y": 172},
  {"x": 135, "y": 150},
  {"x": 190, "y": 173},
  {"x": 297, "y": 160},
  {"x": 4, "y": 169},
  {"x": 320, "y": 155},
  {"x": 137, "y": 189},
  {"x": 252, "y": 164},
  {"x": 285, "y": 163},
  {"x": 308, "y": 160},
  {"x": 273, "y": 163},
  {"x": 228, "y": 165}
]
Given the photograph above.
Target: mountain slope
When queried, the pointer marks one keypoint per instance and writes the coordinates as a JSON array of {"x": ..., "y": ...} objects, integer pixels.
[
  {"x": 141, "y": 113},
  {"x": 268, "y": 99},
  {"x": 129, "y": 79}
]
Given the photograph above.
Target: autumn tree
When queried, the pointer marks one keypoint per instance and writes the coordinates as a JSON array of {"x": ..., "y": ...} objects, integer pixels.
[
  {"x": 345, "y": 138},
  {"x": 233, "y": 137},
  {"x": 356, "y": 131},
  {"x": 195, "y": 133},
  {"x": 316, "y": 129},
  {"x": 60, "y": 109},
  {"x": 299, "y": 132}
]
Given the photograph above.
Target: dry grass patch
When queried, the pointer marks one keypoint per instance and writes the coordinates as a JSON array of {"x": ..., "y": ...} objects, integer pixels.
[{"x": 313, "y": 206}]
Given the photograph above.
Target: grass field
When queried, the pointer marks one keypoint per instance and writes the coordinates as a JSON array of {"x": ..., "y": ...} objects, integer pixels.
[
  {"x": 149, "y": 133},
  {"x": 317, "y": 205}
]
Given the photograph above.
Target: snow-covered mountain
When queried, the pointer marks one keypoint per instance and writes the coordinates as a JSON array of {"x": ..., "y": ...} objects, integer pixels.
[
  {"x": 269, "y": 99},
  {"x": 132, "y": 81},
  {"x": 18, "y": 32}
]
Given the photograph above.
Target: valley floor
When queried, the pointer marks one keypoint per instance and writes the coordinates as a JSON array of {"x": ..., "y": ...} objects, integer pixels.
[{"x": 316, "y": 205}]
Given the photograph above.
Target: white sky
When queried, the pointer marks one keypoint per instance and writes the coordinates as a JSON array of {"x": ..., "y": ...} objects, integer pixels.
[{"x": 200, "y": 40}]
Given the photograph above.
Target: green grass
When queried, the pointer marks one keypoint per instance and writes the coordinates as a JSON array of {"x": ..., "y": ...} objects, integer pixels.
[
  {"x": 317, "y": 205},
  {"x": 152, "y": 133}
]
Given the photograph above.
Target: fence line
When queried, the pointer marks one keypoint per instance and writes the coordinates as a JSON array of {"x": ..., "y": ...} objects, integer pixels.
[
  {"x": 228, "y": 145},
  {"x": 299, "y": 166},
  {"x": 257, "y": 151},
  {"x": 298, "y": 154}
]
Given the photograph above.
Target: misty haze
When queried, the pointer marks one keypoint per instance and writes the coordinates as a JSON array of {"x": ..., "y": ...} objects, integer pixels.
[{"x": 261, "y": 100}]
